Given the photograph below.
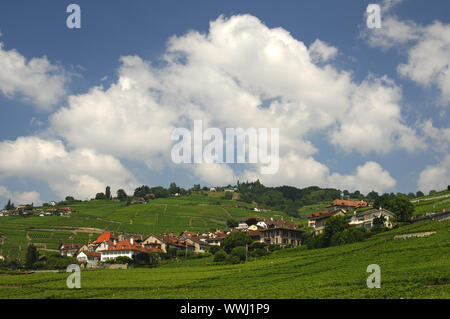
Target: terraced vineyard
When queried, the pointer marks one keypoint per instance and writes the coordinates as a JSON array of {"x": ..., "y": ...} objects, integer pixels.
[
  {"x": 410, "y": 268},
  {"x": 194, "y": 213}
]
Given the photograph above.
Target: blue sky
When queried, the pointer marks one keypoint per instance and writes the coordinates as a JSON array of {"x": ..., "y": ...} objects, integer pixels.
[{"x": 89, "y": 57}]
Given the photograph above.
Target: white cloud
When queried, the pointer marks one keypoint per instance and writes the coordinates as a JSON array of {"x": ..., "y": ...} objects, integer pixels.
[
  {"x": 427, "y": 49},
  {"x": 36, "y": 80},
  {"x": 435, "y": 177},
  {"x": 321, "y": 52},
  {"x": 429, "y": 60},
  {"x": 240, "y": 74},
  {"x": 21, "y": 198},
  {"x": 438, "y": 138},
  {"x": 80, "y": 172},
  {"x": 368, "y": 177},
  {"x": 305, "y": 171}
]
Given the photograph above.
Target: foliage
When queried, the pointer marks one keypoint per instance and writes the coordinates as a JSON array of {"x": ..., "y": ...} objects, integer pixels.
[
  {"x": 235, "y": 239},
  {"x": 402, "y": 207},
  {"x": 232, "y": 223},
  {"x": 220, "y": 255},
  {"x": 121, "y": 195},
  {"x": 32, "y": 256},
  {"x": 239, "y": 252}
]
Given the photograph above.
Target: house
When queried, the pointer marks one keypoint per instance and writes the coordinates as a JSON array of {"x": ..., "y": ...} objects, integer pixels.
[
  {"x": 281, "y": 236},
  {"x": 69, "y": 249},
  {"x": 212, "y": 189},
  {"x": 65, "y": 211},
  {"x": 168, "y": 241},
  {"x": 318, "y": 220},
  {"x": 89, "y": 257},
  {"x": 346, "y": 205},
  {"x": 53, "y": 203},
  {"x": 261, "y": 209},
  {"x": 106, "y": 236},
  {"x": 200, "y": 244},
  {"x": 126, "y": 248},
  {"x": 365, "y": 219},
  {"x": 138, "y": 200},
  {"x": 242, "y": 226}
]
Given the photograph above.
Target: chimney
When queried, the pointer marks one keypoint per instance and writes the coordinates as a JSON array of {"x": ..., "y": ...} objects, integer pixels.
[
  {"x": 132, "y": 241},
  {"x": 115, "y": 242}
]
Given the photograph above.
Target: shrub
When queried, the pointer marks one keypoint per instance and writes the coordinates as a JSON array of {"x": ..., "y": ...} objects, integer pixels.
[
  {"x": 235, "y": 260},
  {"x": 240, "y": 252},
  {"x": 213, "y": 249},
  {"x": 236, "y": 239},
  {"x": 220, "y": 255}
]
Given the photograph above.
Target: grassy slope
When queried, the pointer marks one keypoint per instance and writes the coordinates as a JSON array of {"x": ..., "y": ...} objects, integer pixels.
[
  {"x": 410, "y": 268},
  {"x": 193, "y": 213}
]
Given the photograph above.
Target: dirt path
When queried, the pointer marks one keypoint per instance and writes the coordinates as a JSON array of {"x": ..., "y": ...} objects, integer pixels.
[{"x": 227, "y": 212}]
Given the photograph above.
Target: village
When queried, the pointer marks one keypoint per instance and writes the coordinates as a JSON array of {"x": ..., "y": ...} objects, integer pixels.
[{"x": 268, "y": 231}]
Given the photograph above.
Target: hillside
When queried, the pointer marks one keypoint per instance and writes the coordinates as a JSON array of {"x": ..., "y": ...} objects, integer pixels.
[
  {"x": 410, "y": 268},
  {"x": 174, "y": 214}
]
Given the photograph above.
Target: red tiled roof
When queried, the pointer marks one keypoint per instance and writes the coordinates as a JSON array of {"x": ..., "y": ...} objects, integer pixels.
[
  {"x": 323, "y": 214},
  {"x": 348, "y": 203},
  {"x": 106, "y": 236}
]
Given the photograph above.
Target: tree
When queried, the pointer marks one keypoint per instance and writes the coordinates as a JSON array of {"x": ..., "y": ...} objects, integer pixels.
[
  {"x": 384, "y": 201},
  {"x": 235, "y": 239},
  {"x": 220, "y": 255},
  {"x": 228, "y": 196},
  {"x": 9, "y": 205},
  {"x": 420, "y": 194},
  {"x": 197, "y": 187},
  {"x": 372, "y": 195},
  {"x": 32, "y": 256},
  {"x": 108, "y": 193},
  {"x": 100, "y": 196},
  {"x": 121, "y": 195},
  {"x": 448, "y": 187},
  {"x": 334, "y": 225},
  {"x": 232, "y": 223},
  {"x": 240, "y": 252},
  {"x": 411, "y": 195},
  {"x": 402, "y": 207},
  {"x": 432, "y": 192}
]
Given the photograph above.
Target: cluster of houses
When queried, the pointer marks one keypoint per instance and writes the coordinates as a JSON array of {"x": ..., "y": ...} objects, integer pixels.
[
  {"x": 341, "y": 207},
  {"x": 107, "y": 246},
  {"x": 22, "y": 210}
]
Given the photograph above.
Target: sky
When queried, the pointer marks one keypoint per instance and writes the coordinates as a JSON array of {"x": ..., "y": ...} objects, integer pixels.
[{"x": 357, "y": 108}]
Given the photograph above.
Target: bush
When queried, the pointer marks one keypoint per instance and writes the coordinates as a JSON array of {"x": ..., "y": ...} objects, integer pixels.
[
  {"x": 236, "y": 239},
  {"x": 235, "y": 260},
  {"x": 240, "y": 252},
  {"x": 213, "y": 249},
  {"x": 220, "y": 256},
  {"x": 348, "y": 236},
  {"x": 256, "y": 245},
  {"x": 258, "y": 252}
]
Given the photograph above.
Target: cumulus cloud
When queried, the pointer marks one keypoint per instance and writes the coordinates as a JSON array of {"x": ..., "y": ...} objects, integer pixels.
[
  {"x": 240, "y": 74},
  {"x": 21, "y": 198},
  {"x": 427, "y": 48},
  {"x": 435, "y": 177},
  {"x": 305, "y": 171},
  {"x": 429, "y": 59},
  {"x": 321, "y": 52},
  {"x": 368, "y": 177},
  {"x": 36, "y": 80},
  {"x": 79, "y": 172}
]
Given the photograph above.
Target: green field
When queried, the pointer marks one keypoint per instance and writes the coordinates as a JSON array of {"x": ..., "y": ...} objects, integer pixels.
[
  {"x": 195, "y": 213},
  {"x": 410, "y": 268}
]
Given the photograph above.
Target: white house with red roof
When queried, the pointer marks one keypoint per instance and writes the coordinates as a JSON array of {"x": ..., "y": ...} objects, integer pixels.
[{"x": 126, "y": 248}]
